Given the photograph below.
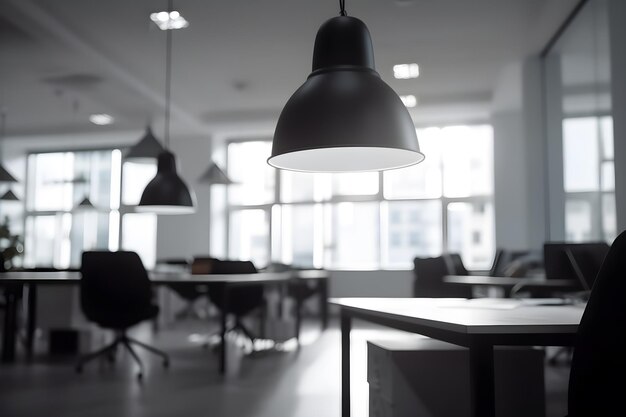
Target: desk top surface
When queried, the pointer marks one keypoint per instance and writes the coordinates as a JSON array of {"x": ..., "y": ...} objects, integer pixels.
[
  {"x": 475, "y": 316},
  {"x": 164, "y": 277},
  {"x": 507, "y": 281}
]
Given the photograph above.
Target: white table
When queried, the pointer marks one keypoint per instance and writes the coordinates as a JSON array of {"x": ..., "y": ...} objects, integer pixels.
[{"x": 479, "y": 324}]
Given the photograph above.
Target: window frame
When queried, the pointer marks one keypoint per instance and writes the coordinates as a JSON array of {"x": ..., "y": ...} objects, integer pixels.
[
  {"x": 122, "y": 209},
  {"x": 378, "y": 198}
]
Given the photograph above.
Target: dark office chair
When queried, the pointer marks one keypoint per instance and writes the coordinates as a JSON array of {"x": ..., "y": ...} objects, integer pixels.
[
  {"x": 429, "y": 273},
  {"x": 190, "y": 294},
  {"x": 454, "y": 263},
  {"x": 242, "y": 300},
  {"x": 116, "y": 294},
  {"x": 597, "y": 378}
]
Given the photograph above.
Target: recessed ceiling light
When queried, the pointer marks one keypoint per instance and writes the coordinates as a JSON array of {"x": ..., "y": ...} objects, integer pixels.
[
  {"x": 101, "y": 119},
  {"x": 406, "y": 71},
  {"x": 409, "y": 100},
  {"x": 169, "y": 21}
]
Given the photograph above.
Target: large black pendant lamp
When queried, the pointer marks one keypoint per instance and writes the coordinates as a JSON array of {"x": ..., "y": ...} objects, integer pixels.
[
  {"x": 344, "y": 117},
  {"x": 167, "y": 193}
]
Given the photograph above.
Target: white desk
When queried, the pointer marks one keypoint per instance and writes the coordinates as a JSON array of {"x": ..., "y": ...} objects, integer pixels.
[
  {"x": 14, "y": 280},
  {"x": 478, "y": 324}
]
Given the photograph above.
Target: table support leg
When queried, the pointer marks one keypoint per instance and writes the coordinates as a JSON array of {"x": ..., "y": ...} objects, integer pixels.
[
  {"x": 31, "y": 325},
  {"x": 10, "y": 324},
  {"x": 482, "y": 384},
  {"x": 224, "y": 317},
  {"x": 346, "y": 325},
  {"x": 299, "y": 301},
  {"x": 323, "y": 295}
]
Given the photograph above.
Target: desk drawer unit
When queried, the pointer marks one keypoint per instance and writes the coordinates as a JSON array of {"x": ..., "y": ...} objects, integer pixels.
[{"x": 424, "y": 377}]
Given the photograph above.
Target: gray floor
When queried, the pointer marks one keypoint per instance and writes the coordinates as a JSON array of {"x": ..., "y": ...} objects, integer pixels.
[{"x": 304, "y": 383}]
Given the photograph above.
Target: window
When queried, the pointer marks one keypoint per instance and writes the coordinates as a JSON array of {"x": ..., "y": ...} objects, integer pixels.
[
  {"x": 589, "y": 179},
  {"x": 365, "y": 220},
  {"x": 58, "y": 230}
]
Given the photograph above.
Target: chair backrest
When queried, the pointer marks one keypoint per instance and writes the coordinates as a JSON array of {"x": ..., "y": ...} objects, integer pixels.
[
  {"x": 597, "y": 384},
  {"x": 429, "y": 273},
  {"x": 113, "y": 282},
  {"x": 241, "y": 299},
  {"x": 455, "y": 264},
  {"x": 574, "y": 261}
]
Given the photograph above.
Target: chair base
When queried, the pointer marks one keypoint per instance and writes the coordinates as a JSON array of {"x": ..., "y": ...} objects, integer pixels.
[
  {"x": 237, "y": 327},
  {"x": 124, "y": 340}
]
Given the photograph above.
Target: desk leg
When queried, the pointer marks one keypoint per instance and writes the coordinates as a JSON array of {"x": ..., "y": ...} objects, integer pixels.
[
  {"x": 224, "y": 317},
  {"x": 322, "y": 286},
  {"x": 346, "y": 325},
  {"x": 482, "y": 384},
  {"x": 31, "y": 324},
  {"x": 299, "y": 301},
  {"x": 10, "y": 324}
]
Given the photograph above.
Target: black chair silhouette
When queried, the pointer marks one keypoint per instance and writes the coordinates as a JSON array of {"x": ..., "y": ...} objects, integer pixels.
[
  {"x": 116, "y": 294},
  {"x": 190, "y": 294},
  {"x": 455, "y": 264},
  {"x": 597, "y": 381},
  {"x": 242, "y": 300},
  {"x": 429, "y": 273}
]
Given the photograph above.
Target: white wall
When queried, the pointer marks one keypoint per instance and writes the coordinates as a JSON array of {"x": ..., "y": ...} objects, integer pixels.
[
  {"x": 188, "y": 235},
  {"x": 519, "y": 185}
]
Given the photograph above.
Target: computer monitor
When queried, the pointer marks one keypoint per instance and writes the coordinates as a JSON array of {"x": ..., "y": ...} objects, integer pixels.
[{"x": 580, "y": 261}]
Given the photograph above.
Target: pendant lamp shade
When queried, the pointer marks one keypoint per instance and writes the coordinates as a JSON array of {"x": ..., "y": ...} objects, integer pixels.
[
  {"x": 214, "y": 175},
  {"x": 85, "y": 204},
  {"x": 148, "y": 148},
  {"x": 344, "y": 117},
  {"x": 9, "y": 196},
  {"x": 5, "y": 176},
  {"x": 167, "y": 193}
]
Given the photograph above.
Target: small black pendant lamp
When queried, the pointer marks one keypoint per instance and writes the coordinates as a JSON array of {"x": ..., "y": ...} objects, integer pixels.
[
  {"x": 167, "y": 193},
  {"x": 5, "y": 176},
  {"x": 214, "y": 175},
  {"x": 344, "y": 118},
  {"x": 148, "y": 148},
  {"x": 9, "y": 196}
]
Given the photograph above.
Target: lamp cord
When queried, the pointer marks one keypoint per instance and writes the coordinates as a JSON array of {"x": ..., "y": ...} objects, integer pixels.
[
  {"x": 342, "y": 8},
  {"x": 168, "y": 76}
]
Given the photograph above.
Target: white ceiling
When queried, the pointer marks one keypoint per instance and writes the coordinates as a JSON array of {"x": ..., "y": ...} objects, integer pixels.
[{"x": 241, "y": 60}]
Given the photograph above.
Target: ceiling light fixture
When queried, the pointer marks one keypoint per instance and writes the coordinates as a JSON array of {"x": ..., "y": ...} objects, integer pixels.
[
  {"x": 409, "y": 100},
  {"x": 169, "y": 20},
  {"x": 214, "y": 175},
  {"x": 167, "y": 193},
  {"x": 9, "y": 196},
  {"x": 146, "y": 150},
  {"x": 406, "y": 71},
  {"x": 101, "y": 119},
  {"x": 344, "y": 118},
  {"x": 5, "y": 176}
]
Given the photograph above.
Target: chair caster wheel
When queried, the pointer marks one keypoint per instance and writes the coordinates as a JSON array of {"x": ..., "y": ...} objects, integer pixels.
[
  {"x": 78, "y": 369},
  {"x": 140, "y": 376},
  {"x": 166, "y": 363}
]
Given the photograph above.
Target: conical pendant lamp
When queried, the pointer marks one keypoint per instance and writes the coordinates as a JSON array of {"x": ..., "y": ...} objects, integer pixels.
[
  {"x": 214, "y": 175},
  {"x": 85, "y": 204},
  {"x": 9, "y": 196},
  {"x": 344, "y": 118},
  {"x": 148, "y": 148},
  {"x": 5, "y": 176},
  {"x": 167, "y": 193}
]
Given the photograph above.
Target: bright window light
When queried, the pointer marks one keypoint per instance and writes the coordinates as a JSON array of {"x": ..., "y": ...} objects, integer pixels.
[
  {"x": 409, "y": 100},
  {"x": 169, "y": 21},
  {"x": 101, "y": 119},
  {"x": 406, "y": 71}
]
